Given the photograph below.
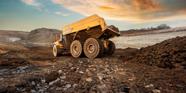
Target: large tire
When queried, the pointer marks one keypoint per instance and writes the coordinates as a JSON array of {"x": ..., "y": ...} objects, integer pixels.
[
  {"x": 56, "y": 51},
  {"x": 93, "y": 48},
  {"x": 111, "y": 48},
  {"x": 76, "y": 49}
]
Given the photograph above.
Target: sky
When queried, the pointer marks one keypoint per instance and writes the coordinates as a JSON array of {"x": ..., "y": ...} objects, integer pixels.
[{"x": 26, "y": 15}]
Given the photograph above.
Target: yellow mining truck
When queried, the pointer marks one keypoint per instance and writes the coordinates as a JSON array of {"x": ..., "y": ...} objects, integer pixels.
[{"x": 89, "y": 37}]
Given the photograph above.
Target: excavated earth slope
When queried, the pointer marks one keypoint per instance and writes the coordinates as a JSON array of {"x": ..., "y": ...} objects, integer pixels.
[{"x": 167, "y": 54}]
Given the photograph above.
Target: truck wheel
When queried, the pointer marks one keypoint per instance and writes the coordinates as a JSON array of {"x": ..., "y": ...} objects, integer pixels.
[
  {"x": 93, "y": 48},
  {"x": 111, "y": 48},
  {"x": 56, "y": 51},
  {"x": 76, "y": 49}
]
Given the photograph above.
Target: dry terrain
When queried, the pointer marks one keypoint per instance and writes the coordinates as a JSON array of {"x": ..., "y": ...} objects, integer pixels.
[{"x": 27, "y": 65}]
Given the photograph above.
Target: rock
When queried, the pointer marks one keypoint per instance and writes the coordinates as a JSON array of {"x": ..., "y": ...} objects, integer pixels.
[
  {"x": 41, "y": 90},
  {"x": 80, "y": 61},
  {"x": 75, "y": 85},
  {"x": 100, "y": 76},
  {"x": 43, "y": 81},
  {"x": 38, "y": 85},
  {"x": 67, "y": 86},
  {"x": 33, "y": 83},
  {"x": 89, "y": 79},
  {"x": 22, "y": 69},
  {"x": 59, "y": 71},
  {"x": 81, "y": 72},
  {"x": 62, "y": 77},
  {"x": 149, "y": 86},
  {"x": 20, "y": 89},
  {"x": 73, "y": 69},
  {"x": 102, "y": 88},
  {"x": 156, "y": 91},
  {"x": 33, "y": 91},
  {"x": 59, "y": 88},
  {"x": 53, "y": 82}
]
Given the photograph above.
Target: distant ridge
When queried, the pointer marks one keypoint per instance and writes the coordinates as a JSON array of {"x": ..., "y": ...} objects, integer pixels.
[{"x": 143, "y": 32}]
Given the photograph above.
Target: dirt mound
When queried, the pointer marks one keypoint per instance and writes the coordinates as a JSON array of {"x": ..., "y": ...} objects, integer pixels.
[
  {"x": 9, "y": 59},
  {"x": 167, "y": 54},
  {"x": 42, "y": 35}
]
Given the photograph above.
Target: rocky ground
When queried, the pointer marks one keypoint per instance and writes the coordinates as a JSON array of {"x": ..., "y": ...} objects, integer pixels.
[{"x": 35, "y": 70}]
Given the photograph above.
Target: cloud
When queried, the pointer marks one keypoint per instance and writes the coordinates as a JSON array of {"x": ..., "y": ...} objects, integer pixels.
[
  {"x": 130, "y": 10},
  {"x": 35, "y": 3},
  {"x": 147, "y": 5},
  {"x": 56, "y": 1},
  {"x": 61, "y": 14},
  {"x": 31, "y": 2}
]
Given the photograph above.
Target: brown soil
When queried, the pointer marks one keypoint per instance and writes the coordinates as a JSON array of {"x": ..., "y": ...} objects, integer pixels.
[
  {"x": 129, "y": 70},
  {"x": 167, "y": 54}
]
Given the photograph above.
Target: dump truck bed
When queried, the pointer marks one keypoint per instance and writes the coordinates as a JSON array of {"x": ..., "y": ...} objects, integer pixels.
[{"x": 84, "y": 24}]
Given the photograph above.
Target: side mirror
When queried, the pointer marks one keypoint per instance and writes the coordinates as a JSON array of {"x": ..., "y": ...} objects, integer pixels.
[{"x": 58, "y": 37}]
